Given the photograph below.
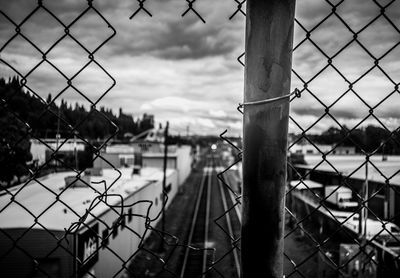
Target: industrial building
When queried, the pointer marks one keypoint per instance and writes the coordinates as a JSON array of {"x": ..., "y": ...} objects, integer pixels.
[
  {"x": 42, "y": 149},
  {"x": 42, "y": 218},
  {"x": 147, "y": 154},
  {"x": 308, "y": 149},
  {"x": 62, "y": 224},
  {"x": 336, "y": 223}
]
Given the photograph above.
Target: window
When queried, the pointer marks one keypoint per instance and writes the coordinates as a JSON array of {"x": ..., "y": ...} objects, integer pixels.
[
  {"x": 105, "y": 238},
  {"x": 168, "y": 188},
  {"x": 129, "y": 160},
  {"x": 130, "y": 215},
  {"x": 123, "y": 224},
  {"x": 115, "y": 230}
]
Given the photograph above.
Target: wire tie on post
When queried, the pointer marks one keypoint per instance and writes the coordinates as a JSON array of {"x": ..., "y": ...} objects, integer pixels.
[{"x": 268, "y": 100}]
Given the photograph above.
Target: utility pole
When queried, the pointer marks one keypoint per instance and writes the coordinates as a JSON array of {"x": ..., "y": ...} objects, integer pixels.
[
  {"x": 363, "y": 215},
  {"x": 269, "y": 43},
  {"x": 384, "y": 157},
  {"x": 363, "y": 221},
  {"x": 75, "y": 151},
  {"x": 58, "y": 134},
  {"x": 164, "y": 179}
]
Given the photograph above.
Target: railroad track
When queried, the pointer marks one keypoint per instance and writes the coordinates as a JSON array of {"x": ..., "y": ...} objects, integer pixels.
[
  {"x": 233, "y": 221},
  {"x": 196, "y": 257},
  {"x": 199, "y": 257}
]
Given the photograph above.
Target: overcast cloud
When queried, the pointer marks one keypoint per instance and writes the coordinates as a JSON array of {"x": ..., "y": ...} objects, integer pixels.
[{"x": 184, "y": 71}]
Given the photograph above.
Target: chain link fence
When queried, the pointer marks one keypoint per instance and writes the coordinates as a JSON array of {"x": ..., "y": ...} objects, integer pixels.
[
  {"x": 342, "y": 200},
  {"x": 354, "y": 235}
]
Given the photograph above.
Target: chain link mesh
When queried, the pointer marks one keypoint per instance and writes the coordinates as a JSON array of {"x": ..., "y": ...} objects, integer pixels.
[
  {"x": 316, "y": 234},
  {"x": 356, "y": 242}
]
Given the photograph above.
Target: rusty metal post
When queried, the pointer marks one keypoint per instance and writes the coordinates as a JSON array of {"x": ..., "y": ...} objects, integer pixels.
[{"x": 269, "y": 42}]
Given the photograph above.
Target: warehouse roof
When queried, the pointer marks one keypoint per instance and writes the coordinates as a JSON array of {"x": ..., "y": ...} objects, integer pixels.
[
  {"x": 305, "y": 184},
  {"x": 56, "y": 206}
]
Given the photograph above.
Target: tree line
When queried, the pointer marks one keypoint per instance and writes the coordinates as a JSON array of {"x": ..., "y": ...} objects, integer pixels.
[
  {"x": 24, "y": 115},
  {"x": 365, "y": 139},
  {"x": 46, "y": 117}
]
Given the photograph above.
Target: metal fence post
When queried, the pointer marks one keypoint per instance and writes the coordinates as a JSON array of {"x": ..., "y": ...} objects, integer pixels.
[{"x": 269, "y": 42}]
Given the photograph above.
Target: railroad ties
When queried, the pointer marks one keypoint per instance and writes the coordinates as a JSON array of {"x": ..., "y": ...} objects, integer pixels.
[
  {"x": 201, "y": 258},
  {"x": 197, "y": 256}
]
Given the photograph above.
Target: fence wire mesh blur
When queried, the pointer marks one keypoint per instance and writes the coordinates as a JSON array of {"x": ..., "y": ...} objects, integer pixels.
[
  {"x": 353, "y": 235},
  {"x": 342, "y": 209}
]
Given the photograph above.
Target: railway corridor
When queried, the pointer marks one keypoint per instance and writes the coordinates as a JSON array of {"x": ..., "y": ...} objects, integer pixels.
[
  {"x": 196, "y": 218},
  {"x": 213, "y": 234}
]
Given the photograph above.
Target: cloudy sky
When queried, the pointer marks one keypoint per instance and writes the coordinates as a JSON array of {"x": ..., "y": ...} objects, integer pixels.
[{"x": 185, "y": 71}]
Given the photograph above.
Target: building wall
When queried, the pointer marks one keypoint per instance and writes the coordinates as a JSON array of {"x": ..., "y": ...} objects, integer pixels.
[
  {"x": 126, "y": 240},
  {"x": 112, "y": 158},
  {"x": 181, "y": 161},
  {"x": 123, "y": 240},
  {"x": 144, "y": 147},
  {"x": 179, "y": 158},
  {"x": 54, "y": 257},
  {"x": 158, "y": 162},
  {"x": 309, "y": 149},
  {"x": 395, "y": 206},
  {"x": 38, "y": 151},
  {"x": 376, "y": 204},
  {"x": 320, "y": 224},
  {"x": 185, "y": 160},
  {"x": 340, "y": 150},
  {"x": 121, "y": 148}
]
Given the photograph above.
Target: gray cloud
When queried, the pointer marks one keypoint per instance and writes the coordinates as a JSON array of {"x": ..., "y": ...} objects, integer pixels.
[
  {"x": 177, "y": 41},
  {"x": 167, "y": 55},
  {"x": 170, "y": 37}
]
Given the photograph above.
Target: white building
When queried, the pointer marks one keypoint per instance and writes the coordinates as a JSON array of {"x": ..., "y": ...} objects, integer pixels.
[
  {"x": 308, "y": 149},
  {"x": 148, "y": 154},
  {"x": 49, "y": 220},
  {"x": 40, "y": 147},
  {"x": 179, "y": 158}
]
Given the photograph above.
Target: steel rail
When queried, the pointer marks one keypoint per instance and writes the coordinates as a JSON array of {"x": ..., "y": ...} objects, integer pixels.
[
  {"x": 194, "y": 220},
  {"x": 206, "y": 226},
  {"x": 229, "y": 224},
  {"x": 229, "y": 219}
]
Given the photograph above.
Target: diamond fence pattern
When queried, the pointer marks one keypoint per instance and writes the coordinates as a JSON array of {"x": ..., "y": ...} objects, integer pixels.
[
  {"x": 321, "y": 240},
  {"x": 367, "y": 239},
  {"x": 319, "y": 230},
  {"x": 372, "y": 259}
]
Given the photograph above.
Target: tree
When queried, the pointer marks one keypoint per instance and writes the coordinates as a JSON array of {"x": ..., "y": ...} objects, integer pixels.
[
  {"x": 14, "y": 139},
  {"x": 42, "y": 116},
  {"x": 14, "y": 148}
]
